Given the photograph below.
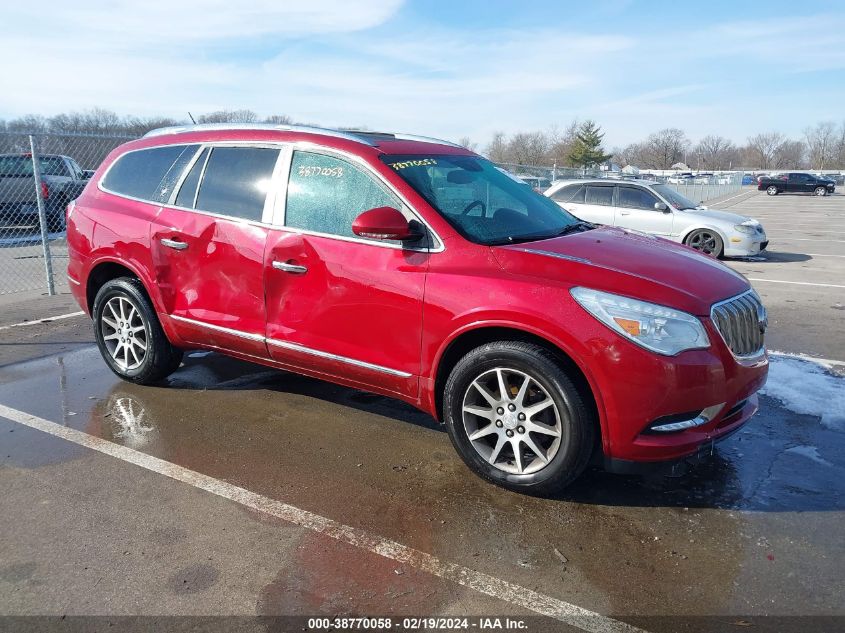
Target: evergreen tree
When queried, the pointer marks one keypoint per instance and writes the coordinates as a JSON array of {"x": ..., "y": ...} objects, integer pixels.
[{"x": 587, "y": 150}]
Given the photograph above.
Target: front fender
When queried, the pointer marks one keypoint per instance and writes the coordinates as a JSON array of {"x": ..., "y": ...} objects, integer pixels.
[{"x": 527, "y": 323}]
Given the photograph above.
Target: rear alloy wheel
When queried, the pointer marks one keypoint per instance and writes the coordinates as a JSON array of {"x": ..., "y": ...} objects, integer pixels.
[
  {"x": 129, "y": 334},
  {"x": 706, "y": 241},
  {"x": 516, "y": 419},
  {"x": 772, "y": 190},
  {"x": 820, "y": 191}
]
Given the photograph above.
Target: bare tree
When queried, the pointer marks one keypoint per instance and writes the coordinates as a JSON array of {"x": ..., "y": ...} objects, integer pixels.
[
  {"x": 839, "y": 150},
  {"x": 497, "y": 149},
  {"x": 619, "y": 156},
  {"x": 467, "y": 142},
  {"x": 527, "y": 148},
  {"x": 136, "y": 126},
  {"x": 228, "y": 116},
  {"x": 660, "y": 150},
  {"x": 790, "y": 155},
  {"x": 279, "y": 119},
  {"x": 716, "y": 152},
  {"x": 761, "y": 149},
  {"x": 821, "y": 143}
]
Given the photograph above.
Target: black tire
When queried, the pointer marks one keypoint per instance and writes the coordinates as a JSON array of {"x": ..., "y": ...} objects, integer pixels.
[
  {"x": 706, "y": 241},
  {"x": 160, "y": 359},
  {"x": 578, "y": 426},
  {"x": 820, "y": 191},
  {"x": 772, "y": 190}
]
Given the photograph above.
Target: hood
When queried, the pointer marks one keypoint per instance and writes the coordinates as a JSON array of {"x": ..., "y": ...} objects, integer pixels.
[
  {"x": 722, "y": 216},
  {"x": 627, "y": 263}
]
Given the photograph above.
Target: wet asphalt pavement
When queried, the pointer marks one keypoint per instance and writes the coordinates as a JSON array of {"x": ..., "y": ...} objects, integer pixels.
[{"x": 754, "y": 530}]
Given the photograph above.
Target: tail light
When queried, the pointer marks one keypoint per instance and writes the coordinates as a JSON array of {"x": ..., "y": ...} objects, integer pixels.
[{"x": 45, "y": 192}]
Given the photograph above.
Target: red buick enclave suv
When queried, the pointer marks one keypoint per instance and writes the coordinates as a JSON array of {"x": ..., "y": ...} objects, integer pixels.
[{"x": 414, "y": 268}]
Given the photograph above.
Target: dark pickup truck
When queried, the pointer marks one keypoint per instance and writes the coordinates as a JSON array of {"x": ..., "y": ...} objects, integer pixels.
[
  {"x": 62, "y": 181},
  {"x": 795, "y": 183}
]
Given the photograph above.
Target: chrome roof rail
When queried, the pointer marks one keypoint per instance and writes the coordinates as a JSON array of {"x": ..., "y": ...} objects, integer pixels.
[
  {"x": 200, "y": 127},
  {"x": 358, "y": 136},
  {"x": 425, "y": 139}
]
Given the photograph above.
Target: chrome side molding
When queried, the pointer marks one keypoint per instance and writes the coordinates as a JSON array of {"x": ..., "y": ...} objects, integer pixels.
[{"x": 293, "y": 347}]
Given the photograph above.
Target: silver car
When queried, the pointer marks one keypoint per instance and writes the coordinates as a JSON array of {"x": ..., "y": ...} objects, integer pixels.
[{"x": 657, "y": 209}]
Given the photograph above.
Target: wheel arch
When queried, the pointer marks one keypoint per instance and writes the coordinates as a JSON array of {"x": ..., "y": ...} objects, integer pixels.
[
  {"x": 481, "y": 334},
  {"x": 108, "y": 268},
  {"x": 102, "y": 273}
]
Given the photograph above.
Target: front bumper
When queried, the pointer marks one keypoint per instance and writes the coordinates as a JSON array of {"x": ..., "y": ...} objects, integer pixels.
[
  {"x": 742, "y": 245},
  {"x": 638, "y": 387}
]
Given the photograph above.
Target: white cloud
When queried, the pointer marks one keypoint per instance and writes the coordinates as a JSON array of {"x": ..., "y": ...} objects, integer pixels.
[
  {"x": 328, "y": 62},
  {"x": 172, "y": 23},
  {"x": 792, "y": 43},
  {"x": 435, "y": 81}
]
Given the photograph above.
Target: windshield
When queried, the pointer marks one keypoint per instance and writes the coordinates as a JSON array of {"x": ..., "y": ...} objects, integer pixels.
[
  {"x": 483, "y": 203},
  {"x": 674, "y": 198}
]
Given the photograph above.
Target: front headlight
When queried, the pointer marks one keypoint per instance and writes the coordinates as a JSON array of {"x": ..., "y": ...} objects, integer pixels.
[
  {"x": 655, "y": 327},
  {"x": 748, "y": 229}
]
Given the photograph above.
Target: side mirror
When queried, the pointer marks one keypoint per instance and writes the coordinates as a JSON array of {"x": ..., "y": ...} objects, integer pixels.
[
  {"x": 385, "y": 223},
  {"x": 661, "y": 206}
]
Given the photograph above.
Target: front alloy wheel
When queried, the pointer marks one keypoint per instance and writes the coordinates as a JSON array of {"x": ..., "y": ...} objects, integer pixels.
[
  {"x": 516, "y": 417},
  {"x": 706, "y": 241},
  {"x": 820, "y": 191},
  {"x": 772, "y": 190},
  {"x": 511, "y": 421}
]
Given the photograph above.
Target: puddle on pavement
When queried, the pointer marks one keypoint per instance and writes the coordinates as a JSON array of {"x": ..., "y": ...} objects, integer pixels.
[{"x": 759, "y": 519}]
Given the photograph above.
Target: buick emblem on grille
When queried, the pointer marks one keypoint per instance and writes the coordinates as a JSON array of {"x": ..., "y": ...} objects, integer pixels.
[{"x": 762, "y": 318}]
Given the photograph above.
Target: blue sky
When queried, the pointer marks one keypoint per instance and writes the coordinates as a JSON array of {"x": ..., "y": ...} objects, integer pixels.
[{"x": 448, "y": 68}]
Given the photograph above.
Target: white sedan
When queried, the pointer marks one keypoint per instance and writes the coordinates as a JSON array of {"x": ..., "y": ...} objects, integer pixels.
[{"x": 657, "y": 209}]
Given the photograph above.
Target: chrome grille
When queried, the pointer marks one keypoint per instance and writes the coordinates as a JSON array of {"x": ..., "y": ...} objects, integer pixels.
[{"x": 741, "y": 321}]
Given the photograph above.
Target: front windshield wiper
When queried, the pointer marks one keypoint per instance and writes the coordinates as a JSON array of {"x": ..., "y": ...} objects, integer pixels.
[
  {"x": 571, "y": 228},
  {"x": 578, "y": 226}
]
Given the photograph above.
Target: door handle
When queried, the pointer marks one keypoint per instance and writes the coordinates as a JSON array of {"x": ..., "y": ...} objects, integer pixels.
[
  {"x": 624, "y": 213},
  {"x": 295, "y": 269},
  {"x": 176, "y": 244}
]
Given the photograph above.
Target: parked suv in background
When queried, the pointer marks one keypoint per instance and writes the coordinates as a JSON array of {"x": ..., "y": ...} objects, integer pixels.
[
  {"x": 795, "y": 183},
  {"x": 416, "y": 269},
  {"x": 61, "y": 181},
  {"x": 660, "y": 210}
]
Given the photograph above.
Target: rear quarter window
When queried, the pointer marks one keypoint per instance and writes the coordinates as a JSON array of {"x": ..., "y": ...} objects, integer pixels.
[
  {"x": 139, "y": 174},
  {"x": 570, "y": 193}
]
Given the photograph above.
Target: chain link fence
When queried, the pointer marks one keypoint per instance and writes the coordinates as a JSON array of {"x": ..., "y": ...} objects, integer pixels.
[
  {"x": 40, "y": 174},
  {"x": 698, "y": 187}
]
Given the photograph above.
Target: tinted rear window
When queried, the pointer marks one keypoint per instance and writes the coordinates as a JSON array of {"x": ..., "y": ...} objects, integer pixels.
[
  {"x": 138, "y": 174},
  {"x": 599, "y": 195},
  {"x": 236, "y": 181}
]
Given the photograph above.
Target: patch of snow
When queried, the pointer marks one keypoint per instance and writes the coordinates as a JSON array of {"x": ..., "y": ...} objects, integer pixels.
[
  {"x": 808, "y": 388},
  {"x": 810, "y": 452}
]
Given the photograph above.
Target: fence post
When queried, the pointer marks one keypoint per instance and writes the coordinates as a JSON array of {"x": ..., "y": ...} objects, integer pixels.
[{"x": 42, "y": 217}]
